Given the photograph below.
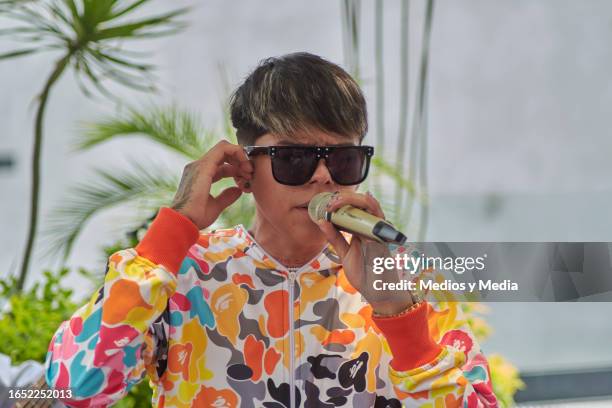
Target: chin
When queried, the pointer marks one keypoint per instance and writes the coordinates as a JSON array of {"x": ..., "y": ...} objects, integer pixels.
[{"x": 306, "y": 231}]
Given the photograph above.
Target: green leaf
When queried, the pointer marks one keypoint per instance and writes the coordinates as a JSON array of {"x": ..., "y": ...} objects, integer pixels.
[
  {"x": 121, "y": 61},
  {"x": 73, "y": 9},
  {"x": 19, "y": 30},
  {"x": 150, "y": 185},
  {"x": 129, "y": 80},
  {"x": 139, "y": 27},
  {"x": 88, "y": 31},
  {"x": 170, "y": 127},
  {"x": 127, "y": 9},
  {"x": 18, "y": 53},
  {"x": 389, "y": 170},
  {"x": 59, "y": 13},
  {"x": 96, "y": 12},
  {"x": 30, "y": 318},
  {"x": 82, "y": 66}
]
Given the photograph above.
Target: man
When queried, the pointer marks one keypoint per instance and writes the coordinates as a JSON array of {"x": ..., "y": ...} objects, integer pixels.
[{"x": 276, "y": 315}]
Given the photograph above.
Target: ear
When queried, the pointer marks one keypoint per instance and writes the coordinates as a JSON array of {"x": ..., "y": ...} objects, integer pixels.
[{"x": 243, "y": 184}]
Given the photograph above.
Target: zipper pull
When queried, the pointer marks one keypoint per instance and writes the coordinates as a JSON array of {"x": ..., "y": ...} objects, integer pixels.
[{"x": 291, "y": 277}]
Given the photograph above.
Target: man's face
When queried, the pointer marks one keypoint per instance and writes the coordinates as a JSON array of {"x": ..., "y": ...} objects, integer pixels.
[{"x": 285, "y": 207}]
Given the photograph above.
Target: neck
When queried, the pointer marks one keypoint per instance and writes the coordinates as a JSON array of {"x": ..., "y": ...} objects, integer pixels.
[{"x": 282, "y": 246}]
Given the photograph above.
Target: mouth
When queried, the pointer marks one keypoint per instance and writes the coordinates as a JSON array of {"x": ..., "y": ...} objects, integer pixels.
[{"x": 303, "y": 206}]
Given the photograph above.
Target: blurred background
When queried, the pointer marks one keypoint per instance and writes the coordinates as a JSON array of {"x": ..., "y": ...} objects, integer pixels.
[{"x": 502, "y": 113}]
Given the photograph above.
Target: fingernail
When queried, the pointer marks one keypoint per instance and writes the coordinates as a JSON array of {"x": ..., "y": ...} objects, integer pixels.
[{"x": 369, "y": 193}]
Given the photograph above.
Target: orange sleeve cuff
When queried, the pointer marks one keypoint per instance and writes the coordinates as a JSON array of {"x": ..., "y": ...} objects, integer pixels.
[
  {"x": 168, "y": 239},
  {"x": 409, "y": 338}
]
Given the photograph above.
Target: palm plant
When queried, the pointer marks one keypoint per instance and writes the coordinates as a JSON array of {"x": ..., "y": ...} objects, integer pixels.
[
  {"x": 380, "y": 86},
  {"x": 418, "y": 142},
  {"x": 146, "y": 185},
  {"x": 411, "y": 185},
  {"x": 404, "y": 83},
  {"x": 407, "y": 186},
  {"x": 351, "y": 14},
  {"x": 87, "y": 35}
]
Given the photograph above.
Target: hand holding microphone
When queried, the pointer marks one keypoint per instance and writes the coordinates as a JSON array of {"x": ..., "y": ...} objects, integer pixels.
[
  {"x": 354, "y": 220},
  {"x": 344, "y": 211}
]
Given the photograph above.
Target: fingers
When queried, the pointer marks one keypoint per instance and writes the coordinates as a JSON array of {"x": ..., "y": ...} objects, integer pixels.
[
  {"x": 193, "y": 195},
  {"x": 335, "y": 238},
  {"x": 223, "y": 160},
  {"x": 228, "y": 170},
  {"x": 375, "y": 205},
  {"x": 226, "y": 152},
  {"x": 364, "y": 201}
]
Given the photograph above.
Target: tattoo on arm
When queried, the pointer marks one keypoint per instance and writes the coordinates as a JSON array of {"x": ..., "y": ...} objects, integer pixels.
[{"x": 184, "y": 190}]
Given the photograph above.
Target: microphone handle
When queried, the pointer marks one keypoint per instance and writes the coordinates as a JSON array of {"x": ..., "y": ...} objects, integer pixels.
[{"x": 357, "y": 221}]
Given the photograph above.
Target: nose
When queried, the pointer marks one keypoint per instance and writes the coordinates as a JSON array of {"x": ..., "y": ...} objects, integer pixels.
[{"x": 321, "y": 174}]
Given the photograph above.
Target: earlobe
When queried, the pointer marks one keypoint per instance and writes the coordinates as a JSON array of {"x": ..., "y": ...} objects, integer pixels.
[{"x": 245, "y": 186}]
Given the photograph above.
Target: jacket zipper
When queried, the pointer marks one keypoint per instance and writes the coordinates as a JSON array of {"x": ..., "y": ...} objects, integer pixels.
[{"x": 291, "y": 280}]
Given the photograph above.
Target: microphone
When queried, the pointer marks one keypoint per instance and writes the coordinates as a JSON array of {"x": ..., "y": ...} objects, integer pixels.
[{"x": 354, "y": 220}]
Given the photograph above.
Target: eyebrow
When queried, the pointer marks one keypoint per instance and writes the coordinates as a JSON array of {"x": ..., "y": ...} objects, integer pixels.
[{"x": 287, "y": 142}]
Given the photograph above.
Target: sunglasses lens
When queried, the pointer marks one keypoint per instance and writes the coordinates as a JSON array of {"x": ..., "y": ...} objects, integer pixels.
[
  {"x": 348, "y": 166},
  {"x": 293, "y": 165}
]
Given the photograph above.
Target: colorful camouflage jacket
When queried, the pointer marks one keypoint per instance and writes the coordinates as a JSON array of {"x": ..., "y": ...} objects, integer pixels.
[{"x": 216, "y": 322}]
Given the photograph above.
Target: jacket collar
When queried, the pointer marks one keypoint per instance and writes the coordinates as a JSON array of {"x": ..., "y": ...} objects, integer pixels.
[{"x": 326, "y": 259}]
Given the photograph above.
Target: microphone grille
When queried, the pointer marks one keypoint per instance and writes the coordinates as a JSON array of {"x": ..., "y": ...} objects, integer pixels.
[{"x": 316, "y": 207}]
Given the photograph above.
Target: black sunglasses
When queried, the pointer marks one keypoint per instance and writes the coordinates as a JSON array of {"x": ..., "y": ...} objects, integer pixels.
[{"x": 295, "y": 165}]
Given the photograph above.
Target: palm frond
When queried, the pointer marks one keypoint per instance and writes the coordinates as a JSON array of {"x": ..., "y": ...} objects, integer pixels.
[
  {"x": 404, "y": 84},
  {"x": 130, "y": 77},
  {"x": 418, "y": 138},
  {"x": 390, "y": 170},
  {"x": 126, "y": 9},
  {"x": 380, "y": 85},
  {"x": 84, "y": 71},
  {"x": 176, "y": 129},
  {"x": 34, "y": 22},
  {"x": 351, "y": 15},
  {"x": 73, "y": 8},
  {"x": 150, "y": 186},
  {"x": 92, "y": 33},
  {"x": 13, "y": 3},
  {"x": 110, "y": 56},
  {"x": 60, "y": 13},
  {"x": 18, "y": 53},
  {"x": 154, "y": 26}
]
